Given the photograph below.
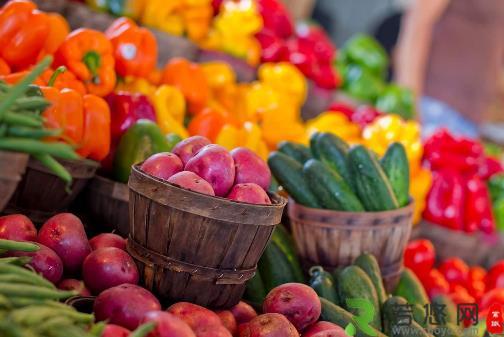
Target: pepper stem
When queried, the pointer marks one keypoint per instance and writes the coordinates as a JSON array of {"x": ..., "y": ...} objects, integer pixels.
[
  {"x": 55, "y": 74},
  {"x": 93, "y": 61}
]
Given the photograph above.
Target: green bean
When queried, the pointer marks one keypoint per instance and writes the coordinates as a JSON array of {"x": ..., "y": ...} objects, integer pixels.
[
  {"x": 31, "y": 103},
  {"x": 33, "y": 90},
  {"x": 15, "y": 118},
  {"x": 8, "y": 329},
  {"x": 20, "y": 88},
  {"x": 3, "y": 130},
  {"x": 33, "y": 291},
  {"x": 54, "y": 323},
  {"x": 143, "y": 330},
  {"x": 4, "y": 86},
  {"x": 25, "y": 132},
  {"x": 4, "y": 302},
  {"x": 21, "y": 302},
  {"x": 36, "y": 279},
  {"x": 18, "y": 261},
  {"x": 16, "y": 279},
  {"x": 55, "y": 167},
  {"x": 18, "y": 245},
  {"x": 33, "y": 147}
]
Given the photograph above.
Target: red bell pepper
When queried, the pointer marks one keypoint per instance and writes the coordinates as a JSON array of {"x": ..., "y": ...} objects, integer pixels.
[
  {"x": 445, "y": 200},
  {"x": 345, "y": 108},
  {"x": 365, "y": 115},
  {"x": 490, "y": 167},
  {"x": 316, "y": 39},
  {"x": 273, "y": 48},
  {"x": 435, "y": 283},
  {"x": 455, "y": 271},
  {"x": 419, "y": 256},
  {"x": 276, "y": 18},
  {"x": 476, "y": 282},
  {"x": 478, "y": 207},
  {"x": 495, "y": 276}
]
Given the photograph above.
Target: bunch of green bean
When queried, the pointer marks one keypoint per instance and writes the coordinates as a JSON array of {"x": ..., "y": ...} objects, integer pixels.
[
  {"x": 22, "y": 126},
  {"x": 29, "y": 304}
]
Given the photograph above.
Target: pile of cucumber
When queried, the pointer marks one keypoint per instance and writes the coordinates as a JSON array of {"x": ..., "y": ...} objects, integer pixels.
[
  {"x": 331, "y": 175},
  {"x": 22, "y": 126}
]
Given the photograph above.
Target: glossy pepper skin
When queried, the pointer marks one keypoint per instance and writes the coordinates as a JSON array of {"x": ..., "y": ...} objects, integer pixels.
[
  {"x": 478, "y": 207},
  {"x": 58, "y": 31},
  {"x": 23, "y": 33},
  {"x": 89, "y": 55},
  {"x": 4, "y": 68},
  {"x": 126, "y": 109},
  {"x": 365, "y": 51},
  {"x": 445, "y": 201},
  {"x": 419, "y": 256},
  {"x": 142, "y": 139},
  {"x": 135, "y": 48},
  {"x": 65, "y": 79},
  {"x": 397, "y": 100},
  {"x": 170, "y": 106}
]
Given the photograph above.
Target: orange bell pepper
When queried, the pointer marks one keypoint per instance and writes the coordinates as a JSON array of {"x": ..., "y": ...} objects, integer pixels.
[
  {"x": 89, "y": 55},
  {"x": 96, "y": 139},
  {"x": 135, "y": 48},
  {"x": 62, "y": 79},
  {"x": 190, "y": 79},
  {"x": 66, "y": 113},
  {"x": 14, "y": 78},
  {"x": 4, "y": 68},
  {"x": 23, "y": 33},
  {"x": 58, "y": 31},
  {"x": 209, "y": 122}
]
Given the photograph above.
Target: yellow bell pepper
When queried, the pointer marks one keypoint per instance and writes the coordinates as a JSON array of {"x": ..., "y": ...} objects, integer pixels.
[
  {"x": 229, "y": 137},
  {"x": 218, "y": 74},
  {"x": 285, "y": 78},
  {"x": 335, "y": 123},
  {"x": 197, "y": 16},
  {"x": 249, "y": 136},
  {"x": 164, "y": 15},
  {"x": 135, "y": 85},
  {"x": 170, "y": 109},
  {"x": 420, "y": 186}
]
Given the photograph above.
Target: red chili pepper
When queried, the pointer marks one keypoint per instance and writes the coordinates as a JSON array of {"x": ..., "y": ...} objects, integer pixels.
[
  {"x": 478, "y": 207},
  {"x": 445, "y": 200}
]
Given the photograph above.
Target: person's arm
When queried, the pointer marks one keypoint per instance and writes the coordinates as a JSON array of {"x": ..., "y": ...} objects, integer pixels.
[{"x": 415, "y": 41}]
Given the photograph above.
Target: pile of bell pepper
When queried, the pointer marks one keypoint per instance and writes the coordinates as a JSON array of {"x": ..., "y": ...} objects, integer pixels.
[
  {"x": 363, "y": 65},
  {"x": 454, "y": 278},
  {"x": 459, "y": 198}
]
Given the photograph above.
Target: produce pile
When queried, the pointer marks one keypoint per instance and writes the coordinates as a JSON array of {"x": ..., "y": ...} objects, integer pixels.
[{"x": 332, "y": 175}]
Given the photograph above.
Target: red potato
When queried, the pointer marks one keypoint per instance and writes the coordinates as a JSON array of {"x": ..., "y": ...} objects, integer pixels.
[
  {"x": 73, "y": 284},
  {"x": 107, "y": 240},
  {"x": 108, "y": 267},
  {"x": 298, "y": 302},
  {"x": 191, "y": 181},
  {"x": 65, "y": 234},
  {"x": 212, "y": 331},
  {"x": 162, "y": 165},
  {"x": 44, "y": 261},
  {"x": 324, "y": 329},
  {"x": 243, "y": 312},
  {"x": 250, "y": 168},
  {"x": 112, "y": 330},
  {"x": 188, "y": 147},
  {"x": 194, "y": 315},
  {"x": 268, "y": 325},
  {"x": 167, "y": 325},
  {"x": 214, "y": 164},
  {"x": 251, "y": 193},
  {"x": 125, "y": 305},
  {"x": 17, "y": 227},
  {"x": 228, "y": 320}
]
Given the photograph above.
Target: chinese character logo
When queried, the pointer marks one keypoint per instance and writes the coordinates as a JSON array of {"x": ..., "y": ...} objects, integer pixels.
[
  {"x": 435, "y": 314},
  {"x": 494, "y": 319},
  {"x": 366, "y": 315},
  {"x": 467, "y": 313}
]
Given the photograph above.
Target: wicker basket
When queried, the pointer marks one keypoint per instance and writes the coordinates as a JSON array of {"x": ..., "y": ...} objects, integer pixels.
[
  {"x": 332, "y": 238},
  {"x": 193, "y": 247},
  {"x": 41, "y": 194},
  {"x": 13, "y": 166},
  {"x": 107, "y": 204}
]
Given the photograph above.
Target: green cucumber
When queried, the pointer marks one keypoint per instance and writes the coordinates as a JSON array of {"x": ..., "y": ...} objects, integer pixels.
[
  {"x": 332, "y": 151},
  {"x": 339, "y": 316},
  {"x": 411, "y": 289},
  {"x": 255, "y": 292},
  {"x": 289, "y": 174},
  {"x": 396, "y": 166},
  {"x": 394, "y": 327},
  {"x": 370, "y": 266},
  {"x": 329, "y": 188},
  {"x": 370, "y": 181},
  {"x": 323, "y": 284},
  {"x": 296, "y": 151},
  {"x": 313, "y": 144},
  {"x": 354, "y": 283},
  {"x": 285, "y": 242}
]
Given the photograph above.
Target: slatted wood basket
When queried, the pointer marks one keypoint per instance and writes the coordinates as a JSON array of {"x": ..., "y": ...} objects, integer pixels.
[
  {"x": 333, "y": 238},
  {"x": 193, "y": 247},
  {"x": 41, "y": 194},
  {"x": 107, "y": 204},
  {"x": 12, "y": 167}
]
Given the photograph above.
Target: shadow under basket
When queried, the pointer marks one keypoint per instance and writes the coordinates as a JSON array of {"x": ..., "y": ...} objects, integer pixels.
[
  {"x": 41, "y": 194},
  {"x": 193, "y": 247},
  {"x": 334, "y": 238},
  {"x": 13, "y": 166},
  {"x": 107, "y": 204}
]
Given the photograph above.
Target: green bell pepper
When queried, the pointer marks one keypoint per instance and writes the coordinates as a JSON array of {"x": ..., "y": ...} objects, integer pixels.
[
  {"x": 496, "y": 186},
  {"x": 139, "y": 142},
  {"x": 172, "y": 139},
  {"x": 498, "y": 211},
  {"x": 397, "y": 100},
  {"x": 365, "y": 51},
  {"x": 362, "y": 84}
]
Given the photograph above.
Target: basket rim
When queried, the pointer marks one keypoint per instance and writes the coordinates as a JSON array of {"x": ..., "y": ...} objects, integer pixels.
[
  {"x": 277, "y": 202},
  {"x": 330, "y": 213}
]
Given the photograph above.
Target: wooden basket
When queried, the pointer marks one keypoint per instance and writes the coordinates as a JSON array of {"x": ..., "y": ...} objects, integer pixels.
[
  {"x": 193, "y": 247},
  {"x": 333, "y": 238},
  {"x": 13, "y": 165},
  {"x": 107, "y": 204},
  {"x": 41, "y": 194}
]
